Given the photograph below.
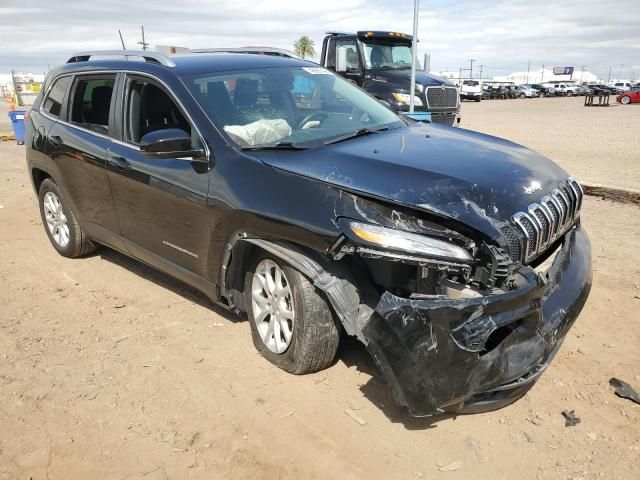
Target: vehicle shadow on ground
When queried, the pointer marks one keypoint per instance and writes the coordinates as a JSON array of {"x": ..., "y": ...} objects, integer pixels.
[
  {"x": 353, "y": 353},
  {"x": 166, "y": 281}
]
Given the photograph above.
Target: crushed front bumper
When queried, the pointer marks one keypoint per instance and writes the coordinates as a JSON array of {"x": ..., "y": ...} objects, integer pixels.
[{"x": 438, "y": 353}]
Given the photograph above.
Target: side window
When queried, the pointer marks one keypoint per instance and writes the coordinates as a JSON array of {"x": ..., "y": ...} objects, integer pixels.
[
  {"x": 91, "y": 102},
  {"x": 149, "y": 108},
  {"x": 53, "y": 103},
  {"x": 347, "y": 59}
]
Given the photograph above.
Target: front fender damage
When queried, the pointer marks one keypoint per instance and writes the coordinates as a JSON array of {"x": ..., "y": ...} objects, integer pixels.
[{"x": 441, "y": 352}]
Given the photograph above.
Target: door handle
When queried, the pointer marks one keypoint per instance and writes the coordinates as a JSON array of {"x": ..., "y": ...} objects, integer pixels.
[
  {"x": 56, "y": 141},
  {"x": 119, "y": 163}
]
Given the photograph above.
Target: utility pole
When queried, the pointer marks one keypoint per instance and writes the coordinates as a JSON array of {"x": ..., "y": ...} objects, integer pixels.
[
  {"x": 143, "y": 43},
  {"x": 427, "y": 62},
  {"x": 582, "y": 74},
  {"x": 459, "y": 75},
  {"x": 609, "y": 77},
  {"x": 528, "y": 68},
  {"x": 542, "y": 74},
  {"x": 471, "y": 68},
  {"x": 121, "y": 40},
  {"x": 481, "y": 66},
  {"x": 414, "y": 60}
]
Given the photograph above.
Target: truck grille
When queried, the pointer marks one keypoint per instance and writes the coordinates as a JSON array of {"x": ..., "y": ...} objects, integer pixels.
[
  {"x": 546, "y": 221},
  {"x": 444, "y": 118},
  {"x": 442, "y": 97}
]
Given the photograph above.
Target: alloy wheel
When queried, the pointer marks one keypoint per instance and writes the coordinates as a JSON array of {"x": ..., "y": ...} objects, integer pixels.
[
  {"x": 56, "y": 219},
  {"x": 272, "y": 306}
]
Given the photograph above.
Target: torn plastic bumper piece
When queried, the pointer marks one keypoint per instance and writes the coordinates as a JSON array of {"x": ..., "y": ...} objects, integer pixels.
[{"x": 437, "y": 353}]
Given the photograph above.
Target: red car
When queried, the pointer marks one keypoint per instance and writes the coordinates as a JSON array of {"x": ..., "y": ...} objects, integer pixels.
[{"x": 632, "y": 96}]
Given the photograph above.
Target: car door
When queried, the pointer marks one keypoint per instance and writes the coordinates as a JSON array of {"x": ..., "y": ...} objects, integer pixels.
[
  {"x": 77, "y": 143},
  {"x": 161, "y": 203}
]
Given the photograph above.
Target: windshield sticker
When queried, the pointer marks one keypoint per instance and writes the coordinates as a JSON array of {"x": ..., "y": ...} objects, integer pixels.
[{"x": 316, "y": 70}]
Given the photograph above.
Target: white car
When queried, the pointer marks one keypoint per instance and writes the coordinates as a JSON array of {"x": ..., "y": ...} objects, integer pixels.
[
  {"x": 622, "y": 86},
  {"x": 567, "y": 89},
  {"x": 525, "y": 91},
  {"x": 471, "y": 90}
]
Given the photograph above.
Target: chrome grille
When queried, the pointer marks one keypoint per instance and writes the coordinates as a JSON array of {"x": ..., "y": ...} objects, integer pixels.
[
  {"x": 443, "y": 118},
  {"x": 546, "y": 221},
  {"x": 442, "y": 97}
]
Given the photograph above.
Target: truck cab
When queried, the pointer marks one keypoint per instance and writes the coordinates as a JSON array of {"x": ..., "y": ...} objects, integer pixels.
[{"x": 380, "y": 63}]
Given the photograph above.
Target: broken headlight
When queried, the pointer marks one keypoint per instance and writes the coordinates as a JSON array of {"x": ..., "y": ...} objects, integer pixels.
[{"x": 407, "y": 242}]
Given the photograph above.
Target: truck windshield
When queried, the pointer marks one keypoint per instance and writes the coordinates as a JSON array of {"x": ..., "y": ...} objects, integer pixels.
[
  {"x": 382, "y": 53},
  {"x": 287, "y": 107}
]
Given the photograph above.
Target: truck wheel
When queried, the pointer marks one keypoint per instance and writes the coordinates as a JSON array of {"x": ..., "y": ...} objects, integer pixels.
[
  {"x": 61, "y": 225},
  {"x": 542, "y": 94},
  {"x": 569, "y": 93},
  {"x": 522, "y": 95},
  {"x": 477, "y": 99},
  {"x": 292, "y": 325}
]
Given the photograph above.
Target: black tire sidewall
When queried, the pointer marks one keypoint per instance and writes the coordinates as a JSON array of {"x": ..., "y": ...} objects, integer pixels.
[
  {"x": 49, "y": 185},
  {"x": 289, "y": 359}
]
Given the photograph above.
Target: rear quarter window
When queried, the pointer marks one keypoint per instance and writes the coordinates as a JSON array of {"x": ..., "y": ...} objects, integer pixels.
[{"x": 55, "y": 98}]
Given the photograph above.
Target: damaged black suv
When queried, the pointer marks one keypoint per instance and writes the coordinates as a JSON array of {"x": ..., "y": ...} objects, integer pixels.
[{"x": 283, "y": 191}]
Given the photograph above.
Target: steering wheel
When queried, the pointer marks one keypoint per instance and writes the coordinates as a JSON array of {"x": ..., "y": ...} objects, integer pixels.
[{"x": 320, "y": 116}]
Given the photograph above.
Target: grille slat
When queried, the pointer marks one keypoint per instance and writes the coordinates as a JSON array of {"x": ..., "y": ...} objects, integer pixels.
[{"x": 546, "y": 221}]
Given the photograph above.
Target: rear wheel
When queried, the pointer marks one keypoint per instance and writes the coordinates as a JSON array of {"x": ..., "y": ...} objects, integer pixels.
[
  {"x": 59, "y": 222},
  {"x": 569, "y": 93},
  {"x": 292, "y": 325},
  {"x": 626, "y": 100}
]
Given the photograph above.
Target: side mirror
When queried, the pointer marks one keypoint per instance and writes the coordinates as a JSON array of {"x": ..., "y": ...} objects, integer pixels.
[{"x": 170, "y": 143}]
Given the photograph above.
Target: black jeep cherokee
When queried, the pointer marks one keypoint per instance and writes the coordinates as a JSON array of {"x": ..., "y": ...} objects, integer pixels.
[{"x": 457, "y": 258}]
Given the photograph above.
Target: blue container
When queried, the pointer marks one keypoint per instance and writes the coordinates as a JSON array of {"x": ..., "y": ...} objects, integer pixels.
[{"x": 17, "y": 122}]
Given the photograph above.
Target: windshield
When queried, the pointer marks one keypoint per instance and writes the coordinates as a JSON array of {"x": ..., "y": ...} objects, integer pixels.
[
  {"x": 287, "y": 106},
  {"x": 380, "y": 53}
]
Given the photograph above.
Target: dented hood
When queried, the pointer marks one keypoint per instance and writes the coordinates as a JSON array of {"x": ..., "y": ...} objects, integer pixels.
[{"x": 473, "y": 178}]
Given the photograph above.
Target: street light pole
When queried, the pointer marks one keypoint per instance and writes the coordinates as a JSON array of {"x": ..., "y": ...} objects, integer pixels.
[{"x": 414, "y": 52}]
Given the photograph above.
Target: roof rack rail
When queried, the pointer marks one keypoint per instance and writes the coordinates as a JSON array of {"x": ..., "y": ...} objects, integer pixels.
[
  {"x": 335, "y": 34},
  {"x": 148, "y": 56}
]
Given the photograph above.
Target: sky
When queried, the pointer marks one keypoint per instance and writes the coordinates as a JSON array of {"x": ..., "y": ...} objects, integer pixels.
[{"x": 502, "y": 35}]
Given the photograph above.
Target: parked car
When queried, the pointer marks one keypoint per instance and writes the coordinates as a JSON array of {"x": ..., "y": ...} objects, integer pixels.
[
  {"x": 567, "y": 89},
  {"x": 458, "y": 259},
  {"x": 601, "y": 89},
  {"x": 551, "y": 89},
  {"x": 543, "y": 90},
  {"x": 527, "y": 92},
  {"x": 632, "y": 96},
  {"x": 471, "y": 90},
  {"x": 622, "y": 87}
]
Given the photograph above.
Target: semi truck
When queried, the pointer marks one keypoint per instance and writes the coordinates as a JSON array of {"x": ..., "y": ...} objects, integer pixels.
[{"x": 380, "y": 63}]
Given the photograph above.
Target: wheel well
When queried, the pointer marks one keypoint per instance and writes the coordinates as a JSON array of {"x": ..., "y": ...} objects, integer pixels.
[{"x": 39, "y": 176}]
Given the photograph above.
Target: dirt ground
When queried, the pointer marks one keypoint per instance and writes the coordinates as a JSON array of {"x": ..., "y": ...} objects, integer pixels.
[{"x": 110, "y": 370}]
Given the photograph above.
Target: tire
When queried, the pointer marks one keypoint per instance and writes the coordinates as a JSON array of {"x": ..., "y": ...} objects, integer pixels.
[
  {"x": 542, "y": 94},
  {"x": 71, "y": 241},
  {"x": 569, "y": 93},
  {"x": 625, "y": 100},
  {"x": 522, "y": 95},
  {"x": 314, "y": 335},
  {"x": 477, "y": 99}
]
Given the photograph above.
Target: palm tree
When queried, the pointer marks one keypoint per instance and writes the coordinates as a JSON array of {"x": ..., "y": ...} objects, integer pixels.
[{"x": 303, "y": 47}]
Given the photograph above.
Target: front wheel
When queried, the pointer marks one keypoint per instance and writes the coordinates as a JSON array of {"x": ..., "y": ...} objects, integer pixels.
[
  {"x": 626, "y": 100},
  {"x": 477, "y": 99},
  {"x": 569, "y": 93},
  {"x": 292, "y": 325},
  {"x": 522, "y": 95},
  {"x": 60, "y": 223}
]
